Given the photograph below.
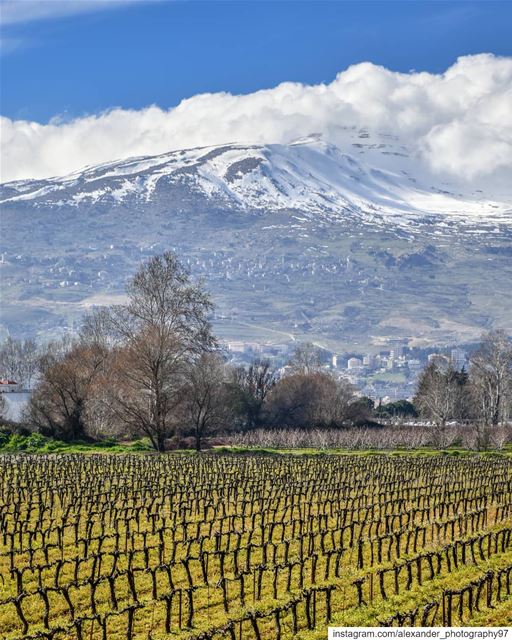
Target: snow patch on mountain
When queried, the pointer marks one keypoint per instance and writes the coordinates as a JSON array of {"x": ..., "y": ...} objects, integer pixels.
[{"x": 370, "y": 176}]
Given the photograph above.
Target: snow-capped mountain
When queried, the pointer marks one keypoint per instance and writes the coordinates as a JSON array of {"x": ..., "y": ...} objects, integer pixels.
[
  {"x": 310, "y": 176},
  {"x": 338, "y": 243}
]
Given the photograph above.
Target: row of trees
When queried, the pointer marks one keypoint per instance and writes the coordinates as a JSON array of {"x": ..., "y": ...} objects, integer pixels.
[
  {"x": 482, "y": 395},
  {"x": 152, "y": 367}
]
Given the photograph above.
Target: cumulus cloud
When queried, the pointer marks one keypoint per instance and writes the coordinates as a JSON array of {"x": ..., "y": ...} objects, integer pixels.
[{"x": 459, "y": 122}]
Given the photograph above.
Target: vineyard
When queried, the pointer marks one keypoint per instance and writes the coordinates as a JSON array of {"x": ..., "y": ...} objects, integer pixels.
[{"x": 250, "y": 547}]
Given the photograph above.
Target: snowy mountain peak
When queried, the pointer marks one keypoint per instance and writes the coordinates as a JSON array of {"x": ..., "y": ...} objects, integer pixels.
[
  {"x": 369, "y": 176},
  {"x": 347, "y": 244}
]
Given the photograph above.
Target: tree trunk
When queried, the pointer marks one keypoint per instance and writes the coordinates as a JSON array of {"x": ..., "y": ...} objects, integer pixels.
[{"x": 160, "y": 442}]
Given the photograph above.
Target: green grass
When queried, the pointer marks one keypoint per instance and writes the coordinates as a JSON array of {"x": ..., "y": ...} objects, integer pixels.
[
  {"x": 422, "y": 451},
  {"x": 37, "y": 443},
  {"x": 152, "y": 479},
  {"x": 372, "y": 614},
  {"x": 389, "y": 376}
]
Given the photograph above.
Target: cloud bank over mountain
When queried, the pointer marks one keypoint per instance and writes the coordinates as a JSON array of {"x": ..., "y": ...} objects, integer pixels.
[{"x": 458, "y": 123}]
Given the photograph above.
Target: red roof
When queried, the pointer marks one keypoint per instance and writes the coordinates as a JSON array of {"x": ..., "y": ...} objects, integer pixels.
[{"x": 4, "y": 381}]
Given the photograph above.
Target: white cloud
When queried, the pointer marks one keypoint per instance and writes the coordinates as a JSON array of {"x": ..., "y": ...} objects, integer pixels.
[
  {"x": 15, "y": 13},
  {"x": 20, "y": 11},
  {"x": 460, "y": 121}
]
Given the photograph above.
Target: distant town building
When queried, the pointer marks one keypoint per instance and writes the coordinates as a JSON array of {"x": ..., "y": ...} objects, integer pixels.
[
  {"x": 397, "y": 348},
  {"x": 252, "y": 347},
  {"x": 414, "y": 365},
  {"x": 7, "y": 385},
  {"x": 397, "y": 352},
  {"x": 354, "y": 363},
  {"x": 236, "y": 347},
  {"x": 244, "y": 347},
  {"x": 279, "y": 349},
  {"x": 458, "y": 358},
  {"x": 369, "y": 361}
]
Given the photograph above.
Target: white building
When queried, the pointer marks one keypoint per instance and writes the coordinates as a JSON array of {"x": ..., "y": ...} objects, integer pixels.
[
  {"x": 7, "y": 385},
  {"x": 369, "y": 361},
  {"x": 458, "y": 358},
  {"x": 354, "y": 363},
  {"x": 414, "y": 364}
]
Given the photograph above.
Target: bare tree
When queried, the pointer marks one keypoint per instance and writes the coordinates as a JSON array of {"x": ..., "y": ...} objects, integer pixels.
[
  {"x": 441, "y": 394},
  {"x": 206, "y": 406},
  {"x": 3, "y": 407},
  {"x": 251, "y": 387},
  {"x": 19, "y": 360},
  {"x": 345, "y": 406},
  {"x": 290, "y": 403},
  {"x": 491, "y": 378},
  {"x": 309, "y": 400},
  {"x": 306, "y": 358},
  {"x": 9, "y": 358},
  {"x": 163, "y": 326},
  {"x": 29, "y": 362},
  {"x": 58, "y": 406},
  {"x": 147, "y": 376}
]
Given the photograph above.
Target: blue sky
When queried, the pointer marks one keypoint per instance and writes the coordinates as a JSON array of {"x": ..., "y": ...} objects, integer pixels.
[{"x": 94, "y": 55}]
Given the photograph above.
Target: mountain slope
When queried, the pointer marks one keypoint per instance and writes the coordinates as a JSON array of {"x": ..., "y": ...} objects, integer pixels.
[{"x": 341, "y": 245}]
